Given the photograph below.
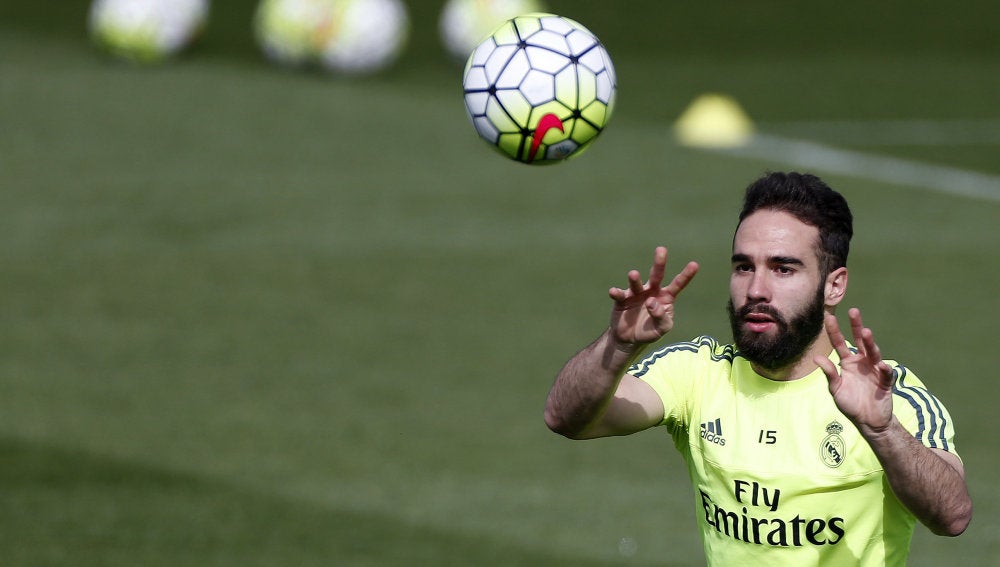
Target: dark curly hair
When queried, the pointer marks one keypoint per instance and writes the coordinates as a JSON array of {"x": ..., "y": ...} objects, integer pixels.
[{"x": 809, "y": 199}]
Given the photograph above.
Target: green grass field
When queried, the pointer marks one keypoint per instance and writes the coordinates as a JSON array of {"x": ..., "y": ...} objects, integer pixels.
[{"x": 261, "y": 317}]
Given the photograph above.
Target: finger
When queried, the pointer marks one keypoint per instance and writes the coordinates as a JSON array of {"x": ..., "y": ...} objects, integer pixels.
[
  {"x": 618, "y": 294},
  {"x": 857, "y": 330},
  {"x": 635, "y": 282},
  {"x": 888, "y": 374},
  {"x": 836, "y": 337},
  {"x": 870, "y": 348},
  {"x": 874, "y": 355},
  {"x": 682, "y": 279},
  {"x": 658, "y": 268}
]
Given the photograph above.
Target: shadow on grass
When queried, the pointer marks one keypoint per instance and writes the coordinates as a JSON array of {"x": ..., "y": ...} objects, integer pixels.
[{"x": 62, "y": 507}]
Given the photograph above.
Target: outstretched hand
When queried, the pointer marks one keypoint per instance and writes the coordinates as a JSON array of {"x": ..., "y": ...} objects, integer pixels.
[
  {"x": 862, "y": 388},
  {"x": 645, "y": 312}
]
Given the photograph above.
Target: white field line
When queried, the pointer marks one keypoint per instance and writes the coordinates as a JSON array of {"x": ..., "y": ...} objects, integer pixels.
[
  {"x": 827, "y": 159},
  {"x": 893, "y": 132}
]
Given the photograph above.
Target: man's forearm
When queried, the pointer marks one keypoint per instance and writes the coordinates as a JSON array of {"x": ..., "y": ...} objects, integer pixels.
[
  {"x": 929, "y": 486},
  {"x": 586, "y": 384}
]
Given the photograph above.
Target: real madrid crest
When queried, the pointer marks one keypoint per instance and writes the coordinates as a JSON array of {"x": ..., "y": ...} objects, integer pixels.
[{"x": 833, "y": 450}]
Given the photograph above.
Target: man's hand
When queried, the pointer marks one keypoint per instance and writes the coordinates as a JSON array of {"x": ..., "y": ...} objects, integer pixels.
[
  {"x": 862, "y": 389},
  {"x": 645, "y": 312},
  {"x": 593, "y": 396},
  {"x": 930, "y": 482}
]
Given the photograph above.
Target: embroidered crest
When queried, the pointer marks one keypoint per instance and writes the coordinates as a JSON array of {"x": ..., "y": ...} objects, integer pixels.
[{"x": 833, "y": 450}]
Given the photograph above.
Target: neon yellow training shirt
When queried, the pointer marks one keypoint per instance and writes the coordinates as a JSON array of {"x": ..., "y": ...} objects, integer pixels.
[{"x": 780, "y": 475}]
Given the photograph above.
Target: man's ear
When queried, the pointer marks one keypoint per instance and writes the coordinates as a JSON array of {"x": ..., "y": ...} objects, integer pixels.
[{"x": 836, "y": 286}]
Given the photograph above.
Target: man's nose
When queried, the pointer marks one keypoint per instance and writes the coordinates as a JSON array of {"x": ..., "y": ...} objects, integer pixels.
[{"x": 758, "y": 290}]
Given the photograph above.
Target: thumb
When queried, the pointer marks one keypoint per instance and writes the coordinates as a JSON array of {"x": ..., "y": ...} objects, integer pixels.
[
  {"x": 660, "y": 313},
  {"x": 830, "y": 369}
]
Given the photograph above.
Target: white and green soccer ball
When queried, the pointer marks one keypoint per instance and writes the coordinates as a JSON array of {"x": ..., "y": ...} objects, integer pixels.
[
  {"x": 363, "y": 36},
  {"x": 287, "y": 31},
  {"x": 540, "y": 88},
  {"x": 463, "y": 24},
  {"x": 146, "y": 31},
  {"x": 341, "y": 36}
]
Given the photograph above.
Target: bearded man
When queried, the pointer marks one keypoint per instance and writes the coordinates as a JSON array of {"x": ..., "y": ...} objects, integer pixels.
[{"x": 802, "y": 448}]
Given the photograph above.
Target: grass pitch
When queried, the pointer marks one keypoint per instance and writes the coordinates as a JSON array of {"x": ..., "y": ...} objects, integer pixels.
[{"x": 259, "y": 317}]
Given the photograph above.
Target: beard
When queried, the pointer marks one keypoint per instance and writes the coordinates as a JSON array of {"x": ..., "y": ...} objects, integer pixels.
[{"x": 788, "y": 344}]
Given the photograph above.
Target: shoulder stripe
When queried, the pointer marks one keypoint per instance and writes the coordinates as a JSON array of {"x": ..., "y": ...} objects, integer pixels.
[
  {"x": 717, "y": 353},
  {"x": 932, "y": 425}
]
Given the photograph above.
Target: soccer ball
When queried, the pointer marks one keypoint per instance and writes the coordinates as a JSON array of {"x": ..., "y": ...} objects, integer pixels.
[
  {"x": 540, "y": 88},
  {"x": 146, "y": 31},
  {"x": 287, "y": 30},
  {"x": 464, "y": 23},
  {"x": 342, "y": 36},
  {"x": 363, "y": 36}
]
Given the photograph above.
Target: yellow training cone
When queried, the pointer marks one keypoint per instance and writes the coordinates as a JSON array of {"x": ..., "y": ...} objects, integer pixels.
[{"x": 713, "y": 121}]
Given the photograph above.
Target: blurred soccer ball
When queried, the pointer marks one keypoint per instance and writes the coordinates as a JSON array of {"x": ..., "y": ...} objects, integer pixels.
[
  {"x": 363, "y": 36},
  {"x": 342, "y": 36},
  {"x": 146, "y": 31},
  {"x": 287, "y": 31},
  {"x": 465, "y": 23},
  {"x": 540, "y": 89}
]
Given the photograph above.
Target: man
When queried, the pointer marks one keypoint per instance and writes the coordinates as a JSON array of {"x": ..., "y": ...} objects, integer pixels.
[{"x": 802, "y": 449}]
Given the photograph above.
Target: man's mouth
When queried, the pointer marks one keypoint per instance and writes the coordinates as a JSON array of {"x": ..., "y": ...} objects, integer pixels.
[{"x": 759, "y": 322}]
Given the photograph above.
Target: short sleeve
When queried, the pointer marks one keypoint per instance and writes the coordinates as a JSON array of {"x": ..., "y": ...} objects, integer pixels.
[
  {"x": 920, "y": 412},
  {"x": 671, "y": 372}
]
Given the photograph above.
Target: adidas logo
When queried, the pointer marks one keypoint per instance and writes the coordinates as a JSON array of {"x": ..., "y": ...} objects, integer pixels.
[{"x": 712, "y": 431}]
